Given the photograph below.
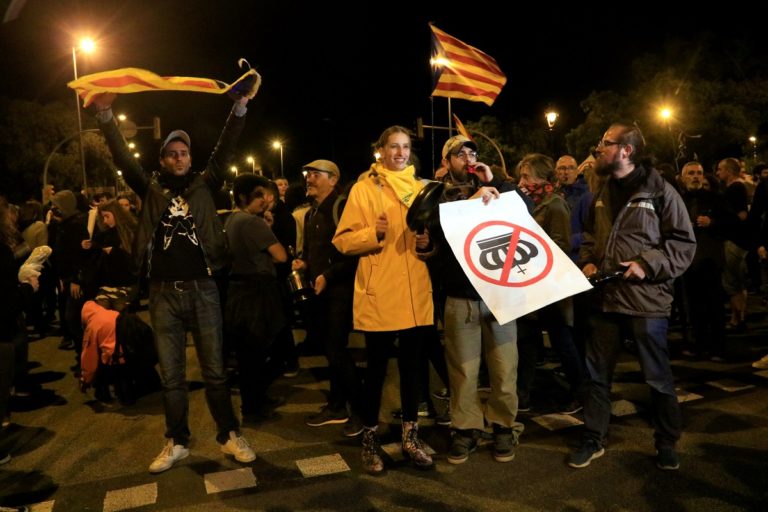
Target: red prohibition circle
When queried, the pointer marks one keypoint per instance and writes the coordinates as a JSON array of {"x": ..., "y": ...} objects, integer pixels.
[{"x": 476, "y": 271}]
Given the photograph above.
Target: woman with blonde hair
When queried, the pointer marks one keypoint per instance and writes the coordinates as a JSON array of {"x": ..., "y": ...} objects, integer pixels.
[{"x": 393, "y": 292}]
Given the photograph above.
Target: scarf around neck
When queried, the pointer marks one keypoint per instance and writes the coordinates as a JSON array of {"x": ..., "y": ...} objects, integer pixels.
[{"x": 402, "y": 182}]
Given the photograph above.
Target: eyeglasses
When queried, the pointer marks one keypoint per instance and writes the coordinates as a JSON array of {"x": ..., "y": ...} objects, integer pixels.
[
  {"x": 605, "y": 143},
  {"x": 466, "y": 155},
  {"x": 566, "y": 168}
]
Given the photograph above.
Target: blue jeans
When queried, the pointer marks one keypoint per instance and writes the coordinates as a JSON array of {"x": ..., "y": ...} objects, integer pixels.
[
  {"x": 605, "y": 335},
  {"x": 175, "y": 308}
]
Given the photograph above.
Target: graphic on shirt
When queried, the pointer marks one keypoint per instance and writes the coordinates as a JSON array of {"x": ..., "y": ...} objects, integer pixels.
[
  {"x": 506, "y": 254},
  {"x": 178, "y": 222}
]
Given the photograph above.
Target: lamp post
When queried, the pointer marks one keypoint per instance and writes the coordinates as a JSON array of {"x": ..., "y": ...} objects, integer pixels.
[
  {"x": 279, "y": 145},
  {"x": 87, "y": 45},
  {"x": 551, "y": 116},
  {"x": 234, "y": 170},
  {"x": 753, "y": 140},
  {"x": 252, "y": 161}
]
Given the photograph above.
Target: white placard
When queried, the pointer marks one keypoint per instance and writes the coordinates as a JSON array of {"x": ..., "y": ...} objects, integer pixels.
[{"x": 537, "y": 274}]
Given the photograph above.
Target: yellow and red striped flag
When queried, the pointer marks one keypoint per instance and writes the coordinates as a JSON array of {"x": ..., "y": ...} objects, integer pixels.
[
  {"x": 461, "y": 128},
  {"x": 463, "y": 71},
  {"x": 130, "y": 80}
]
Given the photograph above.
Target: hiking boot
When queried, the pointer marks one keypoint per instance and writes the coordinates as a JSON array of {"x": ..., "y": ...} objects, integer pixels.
[
  {"x": 504, "y": 443},
  {"x": 238, "y": 447},
  {"x": 352, "y": 428},
  {"x": 586, "y": 453},
  {"x": 414, "y": 448},
  {"x": 328, "y": 416},
  {"x": 463, "y": 443},
  {"x": 168, "y": 457},
  {"x": 666, "y": 458},
  {"x": 371, "y": 459}
]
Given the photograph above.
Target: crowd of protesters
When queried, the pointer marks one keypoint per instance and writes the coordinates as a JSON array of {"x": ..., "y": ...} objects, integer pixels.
[{"x": 681, "y": 246}]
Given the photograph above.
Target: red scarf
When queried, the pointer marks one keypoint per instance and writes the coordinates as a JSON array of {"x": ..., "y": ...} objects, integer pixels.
[{"x": 540, "y": 191}]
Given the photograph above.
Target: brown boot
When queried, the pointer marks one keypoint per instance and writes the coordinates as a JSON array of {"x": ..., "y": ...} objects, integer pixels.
[
  {"x": 413, "y": 448},
  {"x": 372, "y": 462}
]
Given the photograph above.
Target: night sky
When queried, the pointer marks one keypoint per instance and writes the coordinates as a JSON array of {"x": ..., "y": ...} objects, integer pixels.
[{"x": 331, "y": 85}]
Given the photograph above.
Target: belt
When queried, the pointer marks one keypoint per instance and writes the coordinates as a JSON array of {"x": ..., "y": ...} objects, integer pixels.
[{"x": 190, "y": 285}]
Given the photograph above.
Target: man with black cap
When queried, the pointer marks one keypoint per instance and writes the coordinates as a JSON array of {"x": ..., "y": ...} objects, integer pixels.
[
  {"x": 332, "y": 277},
  {"x": 182, "y": 238}
]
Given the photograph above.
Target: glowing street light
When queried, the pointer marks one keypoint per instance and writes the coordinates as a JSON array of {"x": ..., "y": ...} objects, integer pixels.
[
  {"x": 87, "y": 45},
  {"x": 279, "y": 145},
  {"x": 234, "y": 170},
  {"x": 753, "y": 140},
  {"x": 137, "y": 155},
  {"x": 665, "y": 113},
  {"x": 252, "y": 161},
  {"x": 551, "y": 116}
]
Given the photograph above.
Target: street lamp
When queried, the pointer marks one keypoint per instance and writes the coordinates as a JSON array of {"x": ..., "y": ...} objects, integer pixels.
[
  {"x": 279, "y": 145},
  {"x": 251, "y": 161},
  {"x": 234, "y": 170},
  {"x": 551, "y": 116},
  {"x": 753, "y": 140},
  {"x": 86, "y": 45}
]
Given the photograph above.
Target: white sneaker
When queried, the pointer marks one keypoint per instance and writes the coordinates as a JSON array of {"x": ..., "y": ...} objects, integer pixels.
[
  {"x": 761, "y": 363},
  {"x": 238, "y": 447},
  {"x": 168, "y": 457}
]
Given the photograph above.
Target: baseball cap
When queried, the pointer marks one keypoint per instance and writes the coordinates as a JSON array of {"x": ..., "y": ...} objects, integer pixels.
[
  {"x": 176, "y": 135},
  {"x": 457, "y": 142}
]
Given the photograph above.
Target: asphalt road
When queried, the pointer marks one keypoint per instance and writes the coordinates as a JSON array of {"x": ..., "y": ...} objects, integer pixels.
[{"x": 74, "y": 453}]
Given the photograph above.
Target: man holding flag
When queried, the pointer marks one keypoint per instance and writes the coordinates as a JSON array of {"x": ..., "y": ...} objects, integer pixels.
[{"x": 183, "y": 240}]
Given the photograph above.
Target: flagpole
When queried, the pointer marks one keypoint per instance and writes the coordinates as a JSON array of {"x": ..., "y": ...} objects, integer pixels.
[
  {"x": 432, "y": 122},
  {"x": 450, "y": 119}
]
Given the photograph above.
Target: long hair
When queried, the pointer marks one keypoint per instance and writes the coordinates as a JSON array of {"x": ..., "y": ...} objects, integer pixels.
[{"x": 125, "y": 223}]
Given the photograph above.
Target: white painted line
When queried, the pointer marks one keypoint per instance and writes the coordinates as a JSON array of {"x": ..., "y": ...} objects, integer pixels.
[
  {"x": 313, "y": 362},
  {"x": 395, "y": 450},
  {"x": 623, "y": 408},
  {"x": 229, "y": 480},
  {"x": 45, "y": 506},
  {"x": 730, "y": 385},
  {"x": 686, "y": 396},
  {"x": 292, "y": 408},
  {"x": 130, "y": 497},
  {"x": 324, "y": 465},
  {"x": 557, "y": 421}
]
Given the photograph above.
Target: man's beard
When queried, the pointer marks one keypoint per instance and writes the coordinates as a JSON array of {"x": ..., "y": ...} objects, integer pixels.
[
  {"x": 603, "y": 168},
  {"x": 691, "y": 186}
]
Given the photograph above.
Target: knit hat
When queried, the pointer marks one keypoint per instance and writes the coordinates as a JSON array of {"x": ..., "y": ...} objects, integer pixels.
[{"x": 66, "y": 202}]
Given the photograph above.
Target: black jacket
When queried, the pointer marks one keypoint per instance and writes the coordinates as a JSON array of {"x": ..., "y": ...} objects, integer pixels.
[
  {"x": 199, "y": 194},
  {"x": 320, "y": 255}
]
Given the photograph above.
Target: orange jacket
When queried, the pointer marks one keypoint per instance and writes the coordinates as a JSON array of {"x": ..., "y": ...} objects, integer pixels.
[{"x": 98, "y": 339}]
